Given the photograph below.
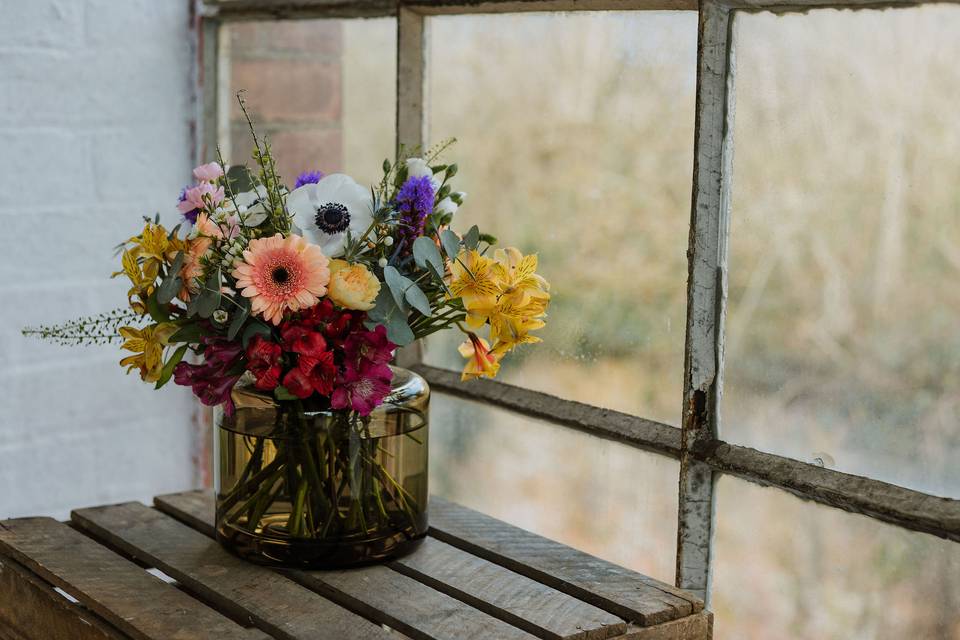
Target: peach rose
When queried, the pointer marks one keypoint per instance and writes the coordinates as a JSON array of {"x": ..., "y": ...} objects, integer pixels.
[{"x": 352, "y": 286}]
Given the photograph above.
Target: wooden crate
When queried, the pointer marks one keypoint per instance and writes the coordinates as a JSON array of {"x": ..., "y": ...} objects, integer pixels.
[{"x": 474, "y": 577}]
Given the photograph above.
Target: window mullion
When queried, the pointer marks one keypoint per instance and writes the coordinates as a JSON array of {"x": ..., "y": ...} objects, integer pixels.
[
  {"x": 412, "y": 42},
  {"x": 706, "y": 295}
]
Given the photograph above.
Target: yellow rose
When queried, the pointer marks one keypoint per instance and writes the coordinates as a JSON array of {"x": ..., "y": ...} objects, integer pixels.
[{"x": 352, "y": 286}]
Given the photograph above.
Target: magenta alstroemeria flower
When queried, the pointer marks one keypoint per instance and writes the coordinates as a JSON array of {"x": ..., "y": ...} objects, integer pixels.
[
  {"x": 213, "y": 380},
  {"x": 362, "y": 389},
  {"x": 370, "y": 347}
]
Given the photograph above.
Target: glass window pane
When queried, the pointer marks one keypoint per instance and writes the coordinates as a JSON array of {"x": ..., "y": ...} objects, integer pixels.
[
  {"x": 842, "y": 342},
  {"x": 322, "y": 91},
  {"x": 614, "y": 501},
  {"x": 785, "y": 568},
  {"x": 574, "y": 135}
]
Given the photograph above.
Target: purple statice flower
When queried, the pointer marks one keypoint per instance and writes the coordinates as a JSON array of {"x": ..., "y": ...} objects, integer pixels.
[
  {"x": 308, "y": 177},
  {"x": 415, "y": 203},
  {"x": 189, "y": 216}
]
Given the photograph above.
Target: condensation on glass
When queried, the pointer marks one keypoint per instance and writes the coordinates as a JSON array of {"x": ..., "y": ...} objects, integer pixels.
[
  {"x": 609, "y": 499},
  {"x": 787, "y": 568},
  {"x": 842, "y": 346},
  {"x": 322, "y": 92},
  {"x": 577, "y": 145}
]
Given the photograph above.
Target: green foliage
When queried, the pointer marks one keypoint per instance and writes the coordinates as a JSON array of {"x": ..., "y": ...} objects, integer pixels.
[{"x": 89, "y": 330}]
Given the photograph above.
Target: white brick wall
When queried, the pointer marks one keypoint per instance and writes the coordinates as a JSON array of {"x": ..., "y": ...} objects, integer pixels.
[{"x": 95, "y": 116}]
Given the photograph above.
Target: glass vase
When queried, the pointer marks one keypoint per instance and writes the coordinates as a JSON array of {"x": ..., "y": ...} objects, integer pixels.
[{"x": 303, "y": 486}]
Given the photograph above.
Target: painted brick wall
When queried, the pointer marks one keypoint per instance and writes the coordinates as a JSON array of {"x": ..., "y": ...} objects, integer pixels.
[{"x": 95, "y": 115}]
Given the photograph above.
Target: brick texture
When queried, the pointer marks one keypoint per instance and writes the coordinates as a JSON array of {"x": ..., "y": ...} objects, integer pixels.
[
  {"x": 95, "y": 117},
  {"x": 292, "y": 77}
]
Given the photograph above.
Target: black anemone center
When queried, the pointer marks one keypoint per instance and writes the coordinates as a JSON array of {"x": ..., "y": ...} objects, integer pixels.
[
  {"x": 280, "y": 275},
  {"x": 332, "y": 217}
]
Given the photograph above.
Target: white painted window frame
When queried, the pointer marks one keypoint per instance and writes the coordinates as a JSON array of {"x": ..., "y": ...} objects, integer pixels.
[{"x": 702, "y": 455}]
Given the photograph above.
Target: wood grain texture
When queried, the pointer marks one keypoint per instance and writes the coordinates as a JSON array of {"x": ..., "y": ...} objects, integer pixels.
[
  {"x": 31, "y": 610},
  {"x": 881, "y": 500},
  {"x": 246, "y": 591},
  {"x": 699, "y": 626},
  {"x": 628, "y": 594},
  {"x": 376, "y": 592},
  {"x": 103, "y": 582},
  {"x": 706, "y": 293},
  {"x": 524, "y": 603},
  {"x": 402, "y": 603},
  {"x": 605, "y": 423}
]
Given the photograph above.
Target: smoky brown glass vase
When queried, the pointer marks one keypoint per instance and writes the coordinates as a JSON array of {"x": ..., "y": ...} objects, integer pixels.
[{"x": 302, "y": 486}]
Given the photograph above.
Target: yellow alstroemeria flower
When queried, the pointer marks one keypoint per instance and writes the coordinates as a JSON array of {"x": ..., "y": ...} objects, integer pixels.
[
  {"x": 516, "y": 274},
  {"x": 147, "y": 344},
  {"x": 142, "y": 278},
  {"x": 472, "y": 279},
  {"x": 510, "y": 325},
  {"x": 482, "y": 361}
]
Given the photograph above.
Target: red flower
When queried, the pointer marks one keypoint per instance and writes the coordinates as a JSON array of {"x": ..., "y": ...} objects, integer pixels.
[
  {"x": 318, "y": 313},
  {"x": 263, "y": 361},
  {"x": 320, "y": 371},
  {"x": 300, "y": 338},
  {"x": 297, "y": 383}
]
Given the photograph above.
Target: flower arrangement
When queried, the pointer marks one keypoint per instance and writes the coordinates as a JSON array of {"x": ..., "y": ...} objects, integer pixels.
[{"x": 306, "y": 293}]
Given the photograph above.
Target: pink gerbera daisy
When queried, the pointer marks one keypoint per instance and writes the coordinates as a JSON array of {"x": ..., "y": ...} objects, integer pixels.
[{"x": 280, "y": 274}]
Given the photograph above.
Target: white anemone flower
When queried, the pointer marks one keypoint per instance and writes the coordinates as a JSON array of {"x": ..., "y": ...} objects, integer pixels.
[
  {"x": 325, "y": 211},
  {"x": 447, "y": 205},
  {"x": 418, "y": 167}
]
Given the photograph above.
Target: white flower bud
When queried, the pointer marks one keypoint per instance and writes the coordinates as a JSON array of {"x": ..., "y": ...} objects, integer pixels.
[
  {"x": 388, "y": 241},
  {"x": 382, "y": 262}
]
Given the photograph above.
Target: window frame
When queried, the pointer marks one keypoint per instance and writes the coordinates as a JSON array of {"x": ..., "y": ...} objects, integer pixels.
[{"x": 696, "y": 444}]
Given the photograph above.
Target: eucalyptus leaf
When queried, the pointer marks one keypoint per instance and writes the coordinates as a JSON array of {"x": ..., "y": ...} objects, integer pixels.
[
  {"x": 383, "y": 306},
  {"x": 425, "y": 252},
  {"x": 167, "y": 372},
  {"x": 451, "y": 243},
  {"x": 397, "y": 284},
  {"x": 156, "y": 310},
  {"x": 210, "y": 296},
  {"x": 254, "y": 329},
  {"x": 189, "y": 333},
  {"x": 170, "y": 286},
  {"x": 418, "y": 300},
  {"x": 192, "y": 306},
  {"x": 239, "y": 317},
  {"x": 472, "y": 239},
  {"x": 399, "y": 332}
]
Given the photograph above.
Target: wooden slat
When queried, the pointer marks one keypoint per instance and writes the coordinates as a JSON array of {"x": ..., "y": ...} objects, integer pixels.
[
  {"x": 605, "y": 423},
  {"x": 403, "y": 603},
  {"x": 270, "y": 601},
  {"x": 525, "y": 603},
  {"x": 375, "y": 592},
  {"x": 699, "y": 626},
  {"x": 31, "y": 610},
  {"x": 620, "y": 591},
  {"x": 104, "y": 583}
]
